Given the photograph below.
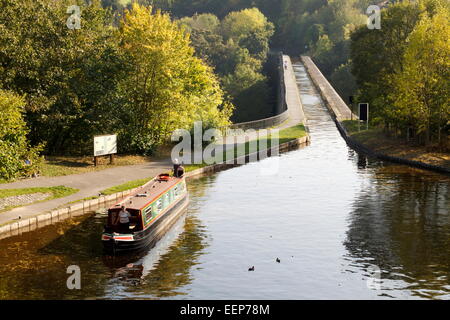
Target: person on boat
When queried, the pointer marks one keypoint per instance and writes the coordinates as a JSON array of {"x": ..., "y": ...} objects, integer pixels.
[
  {"x": 178, "y": 170},
  {"x": 124, "y": 220}
]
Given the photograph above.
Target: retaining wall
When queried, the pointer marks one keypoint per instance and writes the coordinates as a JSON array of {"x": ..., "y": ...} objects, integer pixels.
[
  {"x": 281, "y": 107},
  {"x": 333, "y": 101},
  {"x": 74, "y": 210}
]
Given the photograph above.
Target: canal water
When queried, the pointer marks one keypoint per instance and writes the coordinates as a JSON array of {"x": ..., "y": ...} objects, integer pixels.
[{"x": 342, "y": 225}]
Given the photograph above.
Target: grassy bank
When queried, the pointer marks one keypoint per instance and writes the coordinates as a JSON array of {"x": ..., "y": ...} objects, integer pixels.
[
  {"x": 126, "y": 186},
  {"x": 62, "y": 166},
  {"x": 53, "y": 166},
  {"x": 54, "y": 193},
  {"x": 285, "y": 135},
  {"x": 376, "y": 140}
]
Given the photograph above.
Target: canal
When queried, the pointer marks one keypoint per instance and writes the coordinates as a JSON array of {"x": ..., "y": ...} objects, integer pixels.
[{"x": 342, "y": 225}]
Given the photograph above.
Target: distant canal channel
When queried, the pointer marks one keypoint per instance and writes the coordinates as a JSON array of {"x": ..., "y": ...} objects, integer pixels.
[{"x": 342, "y": 225}]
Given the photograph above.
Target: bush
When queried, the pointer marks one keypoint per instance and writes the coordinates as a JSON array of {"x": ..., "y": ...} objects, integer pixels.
[{"x": 17, "y": 158}]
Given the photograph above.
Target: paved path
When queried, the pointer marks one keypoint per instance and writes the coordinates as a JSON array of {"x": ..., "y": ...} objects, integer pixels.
[
  {"x": 293, "y": 101},
  {"x": 91, "y": 183}
]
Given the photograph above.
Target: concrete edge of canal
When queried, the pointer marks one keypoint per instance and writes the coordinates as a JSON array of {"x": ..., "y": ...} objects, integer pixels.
[
  {"x": 296, "y": 113},
  {"x": 340, "y": 112}
]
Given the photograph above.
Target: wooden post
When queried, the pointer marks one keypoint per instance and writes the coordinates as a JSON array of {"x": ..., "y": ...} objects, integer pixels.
[
  {"x": 95, "y": 161},
  {"x": 111, "y": 159},
  {"x": 350, "y": 100}
]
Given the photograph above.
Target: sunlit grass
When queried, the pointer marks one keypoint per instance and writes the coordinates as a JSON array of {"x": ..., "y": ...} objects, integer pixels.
[
  {"x": 126, "y": 186},
  {"x": 55, "y": 193},
  {"x": 376, "y": 140},
  {"x": 285, "y": 135},
  {"x": 249, "y": 147},
  {"x": 62, "y": 166}
]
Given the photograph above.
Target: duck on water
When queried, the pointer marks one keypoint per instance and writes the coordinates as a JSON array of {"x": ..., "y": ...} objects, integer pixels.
[{"x": 141, "y": 219}]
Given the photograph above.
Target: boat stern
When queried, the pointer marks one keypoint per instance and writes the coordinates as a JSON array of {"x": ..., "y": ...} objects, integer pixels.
[{"x": 115, "y": 242}]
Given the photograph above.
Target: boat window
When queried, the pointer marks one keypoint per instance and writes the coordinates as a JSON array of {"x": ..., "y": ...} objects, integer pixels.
[
  {"x": 166, "y": 200},
  {"x": 155, "y": 210},
  {"x": 159, "y": 204},
  {"x": 148, "y": 214}
]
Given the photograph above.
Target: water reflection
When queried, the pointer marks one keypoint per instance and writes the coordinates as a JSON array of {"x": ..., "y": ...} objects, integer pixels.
[{"x": 400, "y": 222}]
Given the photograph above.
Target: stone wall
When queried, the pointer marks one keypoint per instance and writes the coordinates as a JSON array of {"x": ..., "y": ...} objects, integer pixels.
[{"x": 333, "y": 101}]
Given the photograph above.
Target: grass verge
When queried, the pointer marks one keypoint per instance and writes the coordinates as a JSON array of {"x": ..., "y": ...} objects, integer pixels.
[
  {"x": 56, "y": 192},
  {"x": 285, "y": 135},
  {"x": 126, "y": 186},
  {"x": 376, "y": 140},
  {"x": 62, "y": 166}
]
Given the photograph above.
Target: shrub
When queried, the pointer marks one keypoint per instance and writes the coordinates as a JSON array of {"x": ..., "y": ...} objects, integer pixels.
[{"x": 17, "y": 158}]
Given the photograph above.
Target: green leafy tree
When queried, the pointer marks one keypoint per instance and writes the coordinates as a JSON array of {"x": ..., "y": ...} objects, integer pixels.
[
  {"x": 250, "y": 29},
  {"x": 240, "y": 71},
  {"x": 389, "y": 78},
  {"x": 17, "y": 158},
  {"x": 168, "y": 88},
  {"x": 421, "y": 90},
  {"x": 68, "y": 77},
  {"x": 376, "y": 54}
]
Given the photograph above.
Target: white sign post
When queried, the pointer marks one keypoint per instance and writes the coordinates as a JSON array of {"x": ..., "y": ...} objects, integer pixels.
[{"x": 105, "y": 145}]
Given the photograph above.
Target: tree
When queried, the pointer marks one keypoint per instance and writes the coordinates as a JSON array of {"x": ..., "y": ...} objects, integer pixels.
[
  {"x": 376, "y": 54},
  {"x": 250, "y": 29},
  {"x": 14, "y": 148},
  {"x": 421, "y": 88},
  {"x": 206, "y": 21},
  {"x": 249, "y": 90},
  {"x": 168, "y": 88},
  {"x": 240, "y": 72},
  {"x": 68, "y": 76},
  {"x": 399, "y": 72}
]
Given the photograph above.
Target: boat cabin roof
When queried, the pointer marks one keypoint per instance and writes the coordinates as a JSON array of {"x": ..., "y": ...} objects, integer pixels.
[{"x": 147, "y": 193}]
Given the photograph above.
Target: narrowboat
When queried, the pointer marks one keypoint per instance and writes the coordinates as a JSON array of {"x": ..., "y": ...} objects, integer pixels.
[{"x": 152, "y": 209}]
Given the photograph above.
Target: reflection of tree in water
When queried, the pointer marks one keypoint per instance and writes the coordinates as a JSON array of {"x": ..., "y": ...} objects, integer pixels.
[
  {"x": 81, "y": 246},
  {"x": 197, "y": 186},
  {"x": 82, "y": 242},
  {"x": 402, "y": 222},
  {"x": 173, "y": 268},
  {"x": 33, "y": 265}
]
